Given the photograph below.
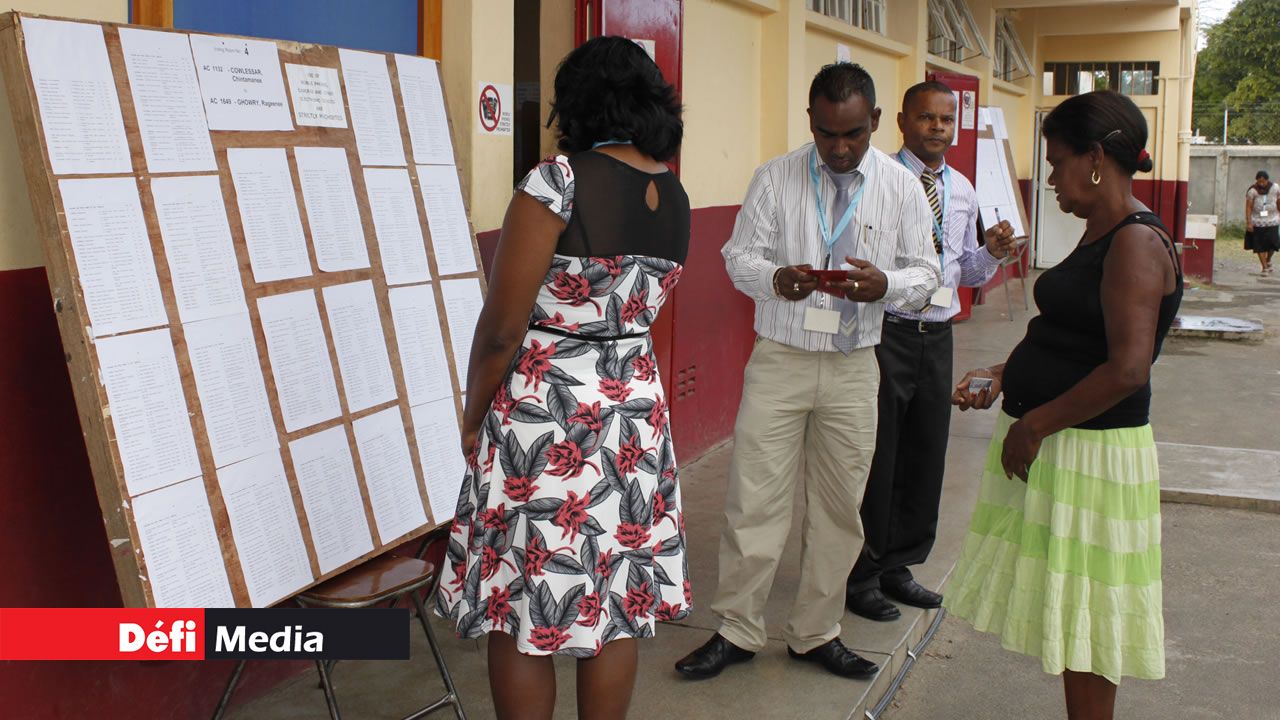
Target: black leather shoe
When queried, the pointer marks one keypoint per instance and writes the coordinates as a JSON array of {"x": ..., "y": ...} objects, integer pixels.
[
  {"x": 914, "y": 594},
  {"x": 872, "y": 605},
  {"x": 838, "y": 660},
  {"x": 709, "y": 660}
]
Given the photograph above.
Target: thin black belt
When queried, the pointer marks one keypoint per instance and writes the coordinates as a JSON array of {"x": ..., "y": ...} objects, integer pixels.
[
  {"x": 920, "y": 326},
  {"x": 586, "y": 338}
]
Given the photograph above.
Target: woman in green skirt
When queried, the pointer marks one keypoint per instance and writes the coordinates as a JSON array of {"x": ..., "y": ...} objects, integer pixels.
[{"x": 1062, "y": 557}]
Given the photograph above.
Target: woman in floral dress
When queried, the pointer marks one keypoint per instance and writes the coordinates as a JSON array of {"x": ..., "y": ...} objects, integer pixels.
[{"x": 569, "y": 537}]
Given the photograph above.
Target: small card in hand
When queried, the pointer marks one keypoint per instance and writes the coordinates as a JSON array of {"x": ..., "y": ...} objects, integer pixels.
[{"x": 978, "y": 384}]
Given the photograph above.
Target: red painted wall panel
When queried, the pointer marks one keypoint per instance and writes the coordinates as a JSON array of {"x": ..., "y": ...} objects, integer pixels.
[
  {"x": 712, "y": 340},
  {"x": 56, "y": 547}
]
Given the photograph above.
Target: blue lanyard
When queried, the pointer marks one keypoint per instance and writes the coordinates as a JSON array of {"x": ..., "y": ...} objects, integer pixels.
[
  {"x": 828, "y": 236},
  {"x": 602, "y": 143},
  {"x": 946, "y": 197}
]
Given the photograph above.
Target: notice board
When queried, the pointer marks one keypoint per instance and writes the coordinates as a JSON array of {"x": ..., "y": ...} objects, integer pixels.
[
  {"x": 997, "y": 183},
  {"x": 266, "y": 284}
]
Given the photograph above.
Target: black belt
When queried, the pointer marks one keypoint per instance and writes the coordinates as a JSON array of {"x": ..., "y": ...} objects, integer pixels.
[
  {"x": 920, "y": 326},
  {"x": 586, "y": 338}
]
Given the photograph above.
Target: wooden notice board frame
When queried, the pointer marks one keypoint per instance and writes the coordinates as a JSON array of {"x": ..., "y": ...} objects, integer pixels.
[
  {"x": 68, "y": 297},
  {"x": 987, "y": 132}
]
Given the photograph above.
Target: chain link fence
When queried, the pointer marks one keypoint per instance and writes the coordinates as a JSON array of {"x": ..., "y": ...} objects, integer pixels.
[{"x": 1249, "y": 125}]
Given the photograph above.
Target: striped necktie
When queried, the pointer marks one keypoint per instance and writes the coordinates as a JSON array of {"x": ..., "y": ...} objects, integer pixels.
[{"x": 931, "y": 192}]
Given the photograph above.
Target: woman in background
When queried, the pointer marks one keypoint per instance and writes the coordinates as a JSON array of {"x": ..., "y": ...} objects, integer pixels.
[{"x": 1262, "y": 219}]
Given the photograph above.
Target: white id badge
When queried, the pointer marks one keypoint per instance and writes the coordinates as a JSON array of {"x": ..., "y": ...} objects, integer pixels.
[
  {"x": 1264, "y": 212},
  {"x": 941, "y": 298},
  {"x": 820, "y": 320}
]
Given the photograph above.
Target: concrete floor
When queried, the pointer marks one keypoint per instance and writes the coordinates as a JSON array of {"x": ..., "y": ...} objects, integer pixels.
[
  {"x": 1214, "y": 400},
  {"x": 1219, "y": 589}
]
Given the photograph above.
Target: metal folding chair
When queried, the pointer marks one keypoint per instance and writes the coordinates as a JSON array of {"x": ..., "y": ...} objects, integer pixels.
[{"x": 382, "y": 579}]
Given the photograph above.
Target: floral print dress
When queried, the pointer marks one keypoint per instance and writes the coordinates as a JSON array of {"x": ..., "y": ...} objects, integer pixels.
[{"x": 569, "y": 530}]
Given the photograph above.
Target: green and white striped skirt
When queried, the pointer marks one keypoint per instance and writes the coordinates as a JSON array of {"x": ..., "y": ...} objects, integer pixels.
[{"x": 1066, "y": 566}]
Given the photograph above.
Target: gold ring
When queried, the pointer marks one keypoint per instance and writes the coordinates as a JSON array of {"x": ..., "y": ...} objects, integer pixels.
[
  {"x": 855, "y": 286},
  {"x": 795, "y": 287}
]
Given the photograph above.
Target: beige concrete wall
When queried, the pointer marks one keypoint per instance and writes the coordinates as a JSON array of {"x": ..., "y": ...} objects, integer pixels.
[
  {"x": 19, "y": 246},
  {"x": 724, "y": 108},
  {"x": 478, "y": 46},
  {"x": 555, "y": 34},
  {"x": 885, "y": 68}
]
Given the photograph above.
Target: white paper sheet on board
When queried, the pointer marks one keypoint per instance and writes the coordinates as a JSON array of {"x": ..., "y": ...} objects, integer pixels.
[
  {"x": 269, "y": 213},
  {"x": 362, "y": 348},
  {"x": 373, "y": 108},
  {"x": 148, "y": 410},
  {"x": 421, "y": 343},
  {"x": 336, "y": 229},
  {"x": 198, "y": 246},
  {"x": 76, "y": 92},
  {"x": 229, "y": 381},
  {"x": 462, "y": 304},
  {"x": 300, "y": 361},
  {"x": 388, "y": 473},
  {"x": 241, "y": 83},
  {"x": 424, "y": 110},
  {"x": 184, "y": 561},
  {"x": 331, "y": 495},
  {"x": 447, "y": 218},
  {"x": 166, "y": 98},
  {"x": 435, "y": 426},
  {"x": 401, "y": 245},
  {"x": 264, "y": 525},
  {"x": 317, "y": 96},
  {"x": 114, "y": 259}
]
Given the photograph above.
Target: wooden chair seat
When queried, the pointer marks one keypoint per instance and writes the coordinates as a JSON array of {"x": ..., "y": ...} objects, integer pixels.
[{"x": 379, "y": 579}]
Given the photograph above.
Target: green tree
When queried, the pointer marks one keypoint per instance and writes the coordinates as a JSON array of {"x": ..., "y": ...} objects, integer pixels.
[{"x": 1239, "y": 68}]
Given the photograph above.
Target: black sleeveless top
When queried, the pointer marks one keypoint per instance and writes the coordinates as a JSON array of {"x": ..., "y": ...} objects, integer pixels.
[
  {"x": 610, "y": 216},
  {"x": 1068, "y": 340}
]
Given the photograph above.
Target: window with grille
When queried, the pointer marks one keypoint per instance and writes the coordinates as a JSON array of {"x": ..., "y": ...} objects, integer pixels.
[
  {"x": 953, "y": 31},
  {"x": 1011, "y": 61},
  {"x": 1129, "y": 78},
  {"x": 866, "y": 14}
]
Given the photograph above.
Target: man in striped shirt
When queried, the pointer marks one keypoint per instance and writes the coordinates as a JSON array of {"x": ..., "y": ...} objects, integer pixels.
[
  {"x": 812, "y": 381},
  {"x": 900, "y": 509}
]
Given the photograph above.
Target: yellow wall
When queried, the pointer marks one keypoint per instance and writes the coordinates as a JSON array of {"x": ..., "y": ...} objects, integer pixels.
[
  {"x": 555, "y": 36},
  {"x": 19, "y": 246},
  {"x": 722, "y": 98},
  {"x": 478, "y": 46},
  {"x": 1019, "y": 118},
  {"x": 884, "y": 67},
  {"x": 1162, "y": 111}
]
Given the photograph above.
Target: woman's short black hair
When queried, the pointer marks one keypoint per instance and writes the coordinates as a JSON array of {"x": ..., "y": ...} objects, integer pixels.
[
  {"x": 609, "y": 88},
  {"x": 1262, "y": 174},
  {"x": 1104, "y": 118}
]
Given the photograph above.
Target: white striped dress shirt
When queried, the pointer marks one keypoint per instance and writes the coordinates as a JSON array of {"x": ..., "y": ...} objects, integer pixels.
[
  {"x": 778, "y": 226},
  {"x": 967, "y": 265}
]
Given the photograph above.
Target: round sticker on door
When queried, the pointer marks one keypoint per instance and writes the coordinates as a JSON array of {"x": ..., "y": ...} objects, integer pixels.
[{"x": 490, "y": 108}]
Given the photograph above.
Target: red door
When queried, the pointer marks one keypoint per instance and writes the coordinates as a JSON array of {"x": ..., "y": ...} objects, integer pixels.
[
  {"x": 963, "y": 155},
  {"x": 657, "y": 26}
]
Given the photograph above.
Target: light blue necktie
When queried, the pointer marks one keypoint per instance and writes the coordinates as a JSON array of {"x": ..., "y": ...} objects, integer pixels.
[{"x": 844, "y": 339}]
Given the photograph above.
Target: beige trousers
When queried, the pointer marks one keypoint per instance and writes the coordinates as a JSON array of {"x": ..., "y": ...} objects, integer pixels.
[{"x": 822, "y": 406}]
